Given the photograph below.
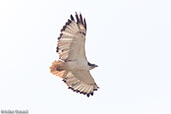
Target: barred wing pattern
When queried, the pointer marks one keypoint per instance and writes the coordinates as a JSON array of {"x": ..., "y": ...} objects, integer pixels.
[
  {"x": 81, "y": 82},
  {"x": 71, "y": 42}
]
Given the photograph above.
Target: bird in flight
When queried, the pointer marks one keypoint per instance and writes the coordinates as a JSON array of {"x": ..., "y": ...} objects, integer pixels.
[{"x": 73, "y": 66}]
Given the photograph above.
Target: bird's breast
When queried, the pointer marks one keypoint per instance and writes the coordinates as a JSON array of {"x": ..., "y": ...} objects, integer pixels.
[{"x": 77, "y": 65}]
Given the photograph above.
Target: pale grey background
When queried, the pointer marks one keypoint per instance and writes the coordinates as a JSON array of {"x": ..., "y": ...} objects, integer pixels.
[{"x": 130, "y": 41}]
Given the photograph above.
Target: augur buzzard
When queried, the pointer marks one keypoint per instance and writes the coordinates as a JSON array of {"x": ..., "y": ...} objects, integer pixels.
[{"x": 73, "y": 66}]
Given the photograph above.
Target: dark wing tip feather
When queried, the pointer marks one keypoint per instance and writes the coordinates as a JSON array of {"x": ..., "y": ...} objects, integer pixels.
[
  {"x": 64, "y": 80},
  {"x": 60, "y": 36},
  {"x": 66, "y": 24},
  {"x": 85, "y": 25},
  {"x": 81, "y": 92},
  {"x": 76, "y": 15},
  {"x": 57, "y": 49},
  {"x": 81, "y": 19},
  {"x": 69, "y": 21},
  {"x": 72, "y": 18},
  {"x": 92, "y": 93}
]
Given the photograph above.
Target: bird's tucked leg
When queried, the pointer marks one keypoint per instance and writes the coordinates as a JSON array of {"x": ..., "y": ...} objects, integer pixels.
[{"x": 57, "y": 69}]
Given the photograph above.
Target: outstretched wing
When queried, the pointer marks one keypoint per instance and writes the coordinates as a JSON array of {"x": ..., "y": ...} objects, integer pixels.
[
  {"x": 71, "y": 42},
  {"x": 81, "y": 81}
]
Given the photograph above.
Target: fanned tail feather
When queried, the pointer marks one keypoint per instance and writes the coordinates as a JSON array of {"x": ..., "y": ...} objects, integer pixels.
[{"x": 57, "y": 69}]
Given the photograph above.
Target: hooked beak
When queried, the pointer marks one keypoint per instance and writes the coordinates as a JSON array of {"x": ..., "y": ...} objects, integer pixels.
[{"x": 96, "y": 65}]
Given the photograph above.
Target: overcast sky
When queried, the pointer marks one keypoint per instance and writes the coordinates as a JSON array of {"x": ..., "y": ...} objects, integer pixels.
[{"x": 130, "y": 41}]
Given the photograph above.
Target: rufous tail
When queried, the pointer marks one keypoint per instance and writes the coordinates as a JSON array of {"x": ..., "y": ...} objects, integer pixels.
[{"x": 57, "y": 69}]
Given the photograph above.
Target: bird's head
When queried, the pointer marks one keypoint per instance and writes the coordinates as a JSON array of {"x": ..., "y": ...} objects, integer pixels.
[{"x": 92, "y": 65}]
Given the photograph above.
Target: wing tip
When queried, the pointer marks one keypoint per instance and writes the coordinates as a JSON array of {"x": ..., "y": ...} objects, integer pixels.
[
  {"x": 81, "y": 92},
  {"x": 80, "y": 19},
  {"x": 72, "y": 18}
]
